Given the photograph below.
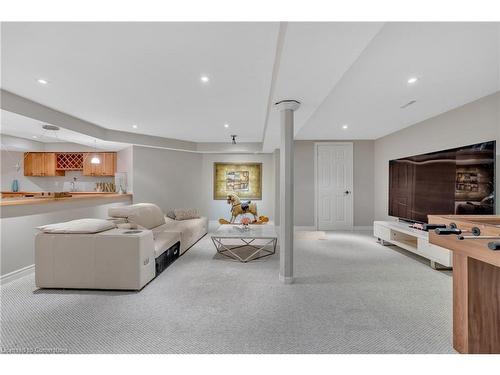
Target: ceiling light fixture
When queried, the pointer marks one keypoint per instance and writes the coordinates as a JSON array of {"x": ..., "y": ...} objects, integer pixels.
[
  {"x": 204, "y": 79},
  {"x": 35, "y": 136},
  {"x": 50, "y": 127},
  {"x": 42, "y": 81},
  {"x": 49, "y": 131},
  {"x": 411, "y": 102},
  {"x": 134, "y": 126},
  {"x": 95, "y": 159},
  {"x": 345, "y": 126},
  {"x": 412, "y": 80},
  {"x": 226, "y": 126}
]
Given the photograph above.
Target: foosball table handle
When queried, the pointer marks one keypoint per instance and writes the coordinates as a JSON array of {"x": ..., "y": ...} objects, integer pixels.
[
  {"x": 447, "y": 231},
  {"x": 495, "y": 246},
  {"x": 428, "y": 227}
]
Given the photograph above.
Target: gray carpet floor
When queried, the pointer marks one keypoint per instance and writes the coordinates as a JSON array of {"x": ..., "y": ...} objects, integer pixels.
[{"x": 351, "y": 295}]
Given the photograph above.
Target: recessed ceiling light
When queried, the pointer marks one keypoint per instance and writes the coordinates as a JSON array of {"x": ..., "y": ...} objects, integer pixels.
[
  {"x": 345, "y": 126},
  {"x": 412, "y": 80},
  {"x": 134, "y": 126},
  {"x": 35, "y": 136},
  {"x": 42, "y": 81},
  {"x": 204, "y": 79},
  {"x": 226, "y": 126}
]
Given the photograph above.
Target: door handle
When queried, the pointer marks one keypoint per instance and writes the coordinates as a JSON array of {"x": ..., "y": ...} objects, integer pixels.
[{"x": 347, "y": 192}]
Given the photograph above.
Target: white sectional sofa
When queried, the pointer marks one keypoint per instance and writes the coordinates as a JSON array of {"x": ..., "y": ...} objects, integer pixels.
[
  {"x": 190, "y": 230},
  {"x": 151, "y": 217},
  {"x": 111, "y": 259},
  {"x": 127, "y": 257}
]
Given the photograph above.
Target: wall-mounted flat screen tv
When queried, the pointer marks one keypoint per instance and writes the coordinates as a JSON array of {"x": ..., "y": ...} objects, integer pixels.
[{"x": 457, "y": 181}]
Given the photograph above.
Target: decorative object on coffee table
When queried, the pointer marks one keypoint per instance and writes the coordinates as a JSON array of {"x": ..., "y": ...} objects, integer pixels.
[
  {"x": 260, "y": 239},
  {"x": 244, "y": 222},
  {"x": 241, "y": 208}
]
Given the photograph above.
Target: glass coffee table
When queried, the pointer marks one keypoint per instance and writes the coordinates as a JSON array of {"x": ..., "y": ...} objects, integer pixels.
[{"x": 260, "y": 239}]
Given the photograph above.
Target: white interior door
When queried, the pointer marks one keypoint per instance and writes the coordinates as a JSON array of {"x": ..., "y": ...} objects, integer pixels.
[{"x": 334, "y": 186}]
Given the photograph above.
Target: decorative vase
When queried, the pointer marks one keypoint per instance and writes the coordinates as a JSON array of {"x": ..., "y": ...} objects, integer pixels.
[
  {"x": 15, "y": 186},
  {"x": 245, "y": 223}
]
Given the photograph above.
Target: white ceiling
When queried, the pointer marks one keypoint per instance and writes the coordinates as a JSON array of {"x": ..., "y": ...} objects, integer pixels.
[
  {"x": 314, "y": 58},
  {"x": 456, "y": 63},
  {"x": 119, "y": 74},
  {"x": 24, "y": 127}
]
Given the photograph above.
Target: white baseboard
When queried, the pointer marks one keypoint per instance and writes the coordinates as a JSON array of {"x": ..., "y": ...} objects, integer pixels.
[
  {"x": 313, "y": 228},
  {"x": 214, "y": 224},
  {"x": 305, "y": 227},
  {"x": 17, "y": 274},
  {"x": 301, "y": 227},
  {"x": 286, "y": 280}
]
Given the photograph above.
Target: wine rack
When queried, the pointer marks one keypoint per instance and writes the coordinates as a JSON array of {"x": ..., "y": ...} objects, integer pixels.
[{"x": 69, "y": 161}]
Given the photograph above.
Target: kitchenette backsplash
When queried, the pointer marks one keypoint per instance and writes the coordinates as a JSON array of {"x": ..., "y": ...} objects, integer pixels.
[
  {"x": 10, "y": 171},
  {"x": 62, "y": 183}
]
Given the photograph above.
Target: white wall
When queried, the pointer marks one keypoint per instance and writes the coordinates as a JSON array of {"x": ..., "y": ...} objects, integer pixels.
[
  {"x": 474, "y": 122},
  {"x": 170, "y": 179},
  {"x": 18, "y": 224},
  {"x": 304, "y": 182},
  {"x": 125, "y": 164},
  {"x": 219, "y": 208}
]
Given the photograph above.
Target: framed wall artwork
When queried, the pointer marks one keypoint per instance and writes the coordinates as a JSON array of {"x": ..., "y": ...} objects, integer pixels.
[{"x": 243, "y": 179}]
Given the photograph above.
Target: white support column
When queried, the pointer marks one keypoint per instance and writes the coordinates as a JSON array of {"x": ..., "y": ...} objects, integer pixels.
[{"x": 286, "y": 107}]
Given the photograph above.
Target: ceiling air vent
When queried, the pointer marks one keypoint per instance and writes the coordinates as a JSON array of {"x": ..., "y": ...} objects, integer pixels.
[{"x": 404, "y": 106}]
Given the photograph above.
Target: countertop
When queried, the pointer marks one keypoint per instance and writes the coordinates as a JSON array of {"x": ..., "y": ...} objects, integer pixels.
[{"x": 76, "y": 196}]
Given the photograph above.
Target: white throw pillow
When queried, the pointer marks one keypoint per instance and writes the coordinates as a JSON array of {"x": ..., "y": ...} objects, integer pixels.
[
  {"x": 186, "y": 213},
  {"x": 79, "y": 226}
]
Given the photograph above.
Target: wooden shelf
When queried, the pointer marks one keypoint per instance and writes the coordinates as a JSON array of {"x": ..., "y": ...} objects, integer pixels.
[
  {"x": 41, "y": 164},
  {"x": 69, "y": 161},
  {"x": 107, "y": 166}
]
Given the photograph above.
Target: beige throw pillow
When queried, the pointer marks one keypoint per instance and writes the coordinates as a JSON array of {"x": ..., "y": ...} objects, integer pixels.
[{"x": 186, "y": 213}]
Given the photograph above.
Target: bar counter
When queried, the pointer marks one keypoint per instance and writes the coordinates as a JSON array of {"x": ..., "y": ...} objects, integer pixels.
[
  {"x": 19, "y": 216},
  {"x": 17, "y": 199}
]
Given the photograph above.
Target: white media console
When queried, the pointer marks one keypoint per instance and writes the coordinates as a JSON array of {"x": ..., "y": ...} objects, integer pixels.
[{"x": 414, "y": 240}]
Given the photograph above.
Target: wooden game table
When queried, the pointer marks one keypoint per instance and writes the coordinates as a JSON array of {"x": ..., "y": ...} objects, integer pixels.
[{"x": 476, "y": 280}]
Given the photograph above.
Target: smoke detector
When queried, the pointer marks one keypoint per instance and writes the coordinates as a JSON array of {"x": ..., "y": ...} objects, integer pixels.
[{"x": 411, "y": 102}]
